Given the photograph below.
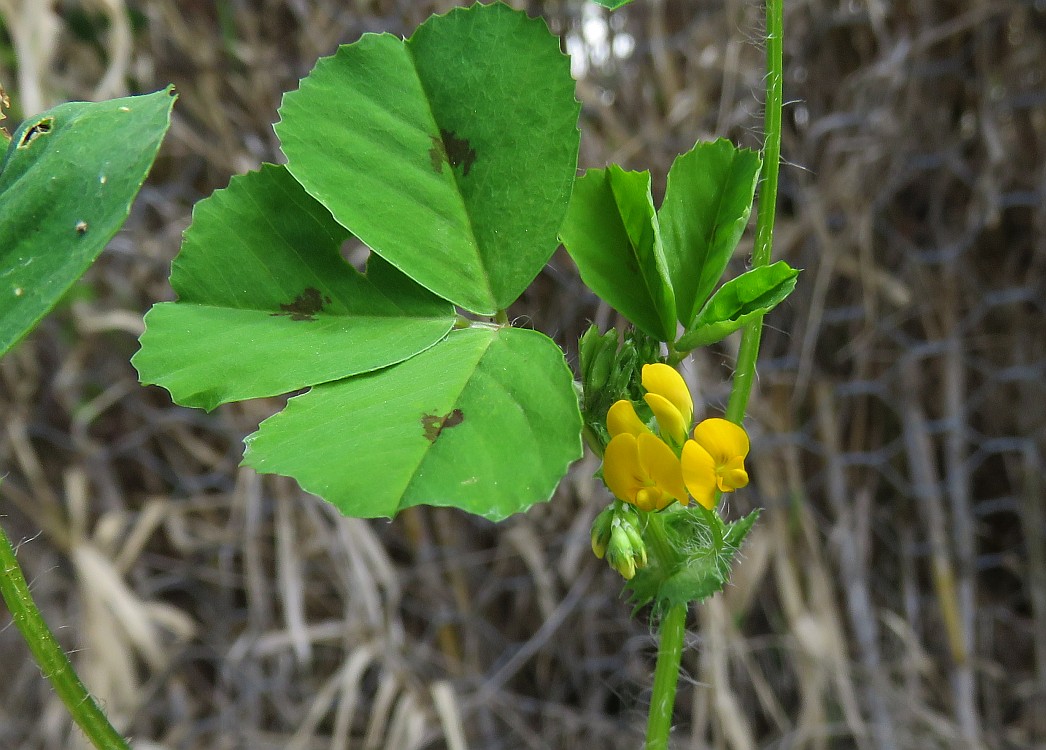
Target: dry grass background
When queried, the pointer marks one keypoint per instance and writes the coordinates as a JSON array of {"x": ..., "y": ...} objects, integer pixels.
[{"x": 894, "y": 594}]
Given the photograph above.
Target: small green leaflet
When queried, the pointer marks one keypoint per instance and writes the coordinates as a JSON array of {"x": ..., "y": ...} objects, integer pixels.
[
  {"x": 612, "y": 234},
  {"x": 707, "y": 203},
  {"x": 657, "y": 269},
  {"x": 755, "y": 292}
]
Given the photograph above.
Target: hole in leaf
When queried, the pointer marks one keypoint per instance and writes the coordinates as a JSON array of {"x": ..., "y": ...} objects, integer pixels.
[
  {"x": 433, "y": 424},
  {"x": 355, "y": 253},
  {"x": 5, "y": 103},
  {"x": 42, "y": 127}
]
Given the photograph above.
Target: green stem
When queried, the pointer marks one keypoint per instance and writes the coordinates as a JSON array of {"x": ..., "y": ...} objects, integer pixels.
[
  {"x": 715, "y": 523},
  {"x": 592, "y": 441},
  {"x": 673, "y": 625},
  {"x": 666, "y": 675},
  {"x": 663, "y": 549},
  {"x": 49, "y": 655},
  {"x": 744, "y": 375}
]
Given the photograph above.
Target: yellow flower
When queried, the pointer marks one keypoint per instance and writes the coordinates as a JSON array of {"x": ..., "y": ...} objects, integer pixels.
[
  {"x": 669, "y": 399},
  {"x": 622, "y": 419},
  {"x": 715, "y": 459},
  {"x": 643, "y": 470}
]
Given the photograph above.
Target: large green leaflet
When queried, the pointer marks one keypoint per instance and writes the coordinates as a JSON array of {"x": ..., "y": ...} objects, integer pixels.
[
  {"x": 611, "y": 232},
  {"x": 66, "y": 186},
  {"x": 450, "y": 154},
  {"x": 487, "y": 421},
  {"x": 267, "y": 304}
]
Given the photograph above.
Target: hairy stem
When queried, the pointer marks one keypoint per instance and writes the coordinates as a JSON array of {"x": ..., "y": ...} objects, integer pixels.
[
  {"x": 744, "y": 375},
  {"x": 666, "y": 675},
  {"x": 673, "y": 628},
  {"x": 50, "y": 657}
]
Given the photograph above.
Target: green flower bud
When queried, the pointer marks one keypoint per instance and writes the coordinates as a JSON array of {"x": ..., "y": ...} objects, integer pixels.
[
  {"x": 626, "y": 551},
  {"x": 620, "y": 554},
  {"x": 601, "y": 529},
  {"x": 636, "y": 540},
  {"x": 588, "y": 347},
  {"x": 603, "y": 363}
]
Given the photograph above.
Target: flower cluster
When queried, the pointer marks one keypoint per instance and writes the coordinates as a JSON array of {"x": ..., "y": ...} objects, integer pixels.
[{"x": 652, "y": 470}]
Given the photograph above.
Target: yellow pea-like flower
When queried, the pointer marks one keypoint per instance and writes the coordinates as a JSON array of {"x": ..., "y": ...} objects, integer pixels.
[
  {"x": 644, "y": 471},
  {"x": 669, "y": 399},
  {"x": 715, "y": 459},
  {"x": 622, "y": 419}
]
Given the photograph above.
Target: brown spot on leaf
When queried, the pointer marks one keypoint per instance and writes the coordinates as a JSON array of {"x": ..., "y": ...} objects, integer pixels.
[
  {"x": 305, "y": 305},
  {"x": 438, "y": 154},
  {"x": 448, "y": 147},
  {"x": 434, "y": 425}
]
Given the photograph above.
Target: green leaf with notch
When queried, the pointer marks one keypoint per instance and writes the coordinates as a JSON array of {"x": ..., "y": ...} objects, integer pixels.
[
  {"x": 267, "y": 304},
  {"x": 450, "y": 154},
  {"x": 708, "y": 200},
  {"x": 612, "y": 4},
  {"x": 67, "y": 183},
  {"x": 612, "y": 234},
  {"x": 486, "y": 421},
  {"x": 755, "y": 292}
]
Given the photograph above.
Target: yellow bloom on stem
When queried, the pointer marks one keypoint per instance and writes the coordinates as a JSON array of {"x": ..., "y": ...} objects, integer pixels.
[
  {"x": 622, "y": 419},
  {"x": 669, "y": 399},
  {"x": 644, "y": 471},
  {"x": 715, "y": 459}
]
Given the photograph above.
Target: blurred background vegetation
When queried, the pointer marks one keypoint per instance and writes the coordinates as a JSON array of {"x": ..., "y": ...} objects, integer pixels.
[{"x": 894, "y": 593}]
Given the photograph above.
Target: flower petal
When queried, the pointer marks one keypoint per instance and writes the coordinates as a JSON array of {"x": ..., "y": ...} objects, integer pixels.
[
  {"x": 622, "y": 419},
  {"x": 651, "y": 498},
  {"x": 661, "y": 464},
  {"x": 666, "y": 382},
  {"x": 621, "y": 470},
  {"x": 668, "y": 418},
  {"x": 732, "y": 476},
  {"x": 723, "y": 440},
  {"x": 699, "y": 473}
]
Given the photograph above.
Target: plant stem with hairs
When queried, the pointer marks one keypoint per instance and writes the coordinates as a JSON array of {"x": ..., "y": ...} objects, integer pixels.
[
  {"x": 673, "y": 623},
  {"x": 50, "y": 657}
]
